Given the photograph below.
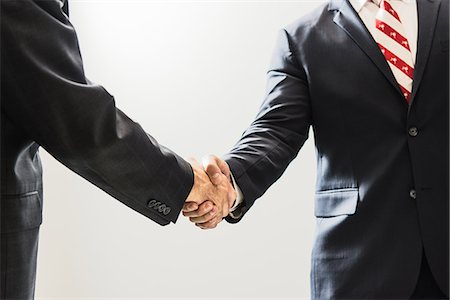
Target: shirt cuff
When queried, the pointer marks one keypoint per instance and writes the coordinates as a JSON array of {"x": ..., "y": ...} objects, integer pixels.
[{"x": 235, "y": 211}]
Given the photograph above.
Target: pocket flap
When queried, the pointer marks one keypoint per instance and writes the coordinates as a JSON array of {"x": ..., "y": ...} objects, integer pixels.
[
  {"x": 21, "y": 212},
  {"x": 336, "y": 202}
]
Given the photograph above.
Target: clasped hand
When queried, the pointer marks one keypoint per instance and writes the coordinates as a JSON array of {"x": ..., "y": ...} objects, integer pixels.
[{"x": 212, "y": 194}]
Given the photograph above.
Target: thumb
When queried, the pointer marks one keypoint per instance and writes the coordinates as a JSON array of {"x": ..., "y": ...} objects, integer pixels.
[
  {"x": 214, "y": 174},
  {"x": 223, "y": 166},
  {"x": 212, "y": 169}
]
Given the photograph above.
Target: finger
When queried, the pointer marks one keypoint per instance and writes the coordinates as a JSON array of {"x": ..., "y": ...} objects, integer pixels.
[
  {"x": 210, "y": 224},
  {"x": 205, "y": 218},
  {"x": 202, "y": 210},
  {"x": 190, "y": 206},
  {"x": 206, "y": 227}
]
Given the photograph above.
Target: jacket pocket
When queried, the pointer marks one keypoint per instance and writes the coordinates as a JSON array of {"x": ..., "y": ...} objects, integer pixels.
[
  {"x": 336, "y": 202},
  {"x": 20, "y": 212}
]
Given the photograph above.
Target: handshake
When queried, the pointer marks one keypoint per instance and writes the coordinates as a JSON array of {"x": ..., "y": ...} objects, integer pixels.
[{"x": 212, "y": 194}]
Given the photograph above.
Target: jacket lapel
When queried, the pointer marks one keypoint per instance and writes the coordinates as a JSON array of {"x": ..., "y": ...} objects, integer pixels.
[
  {"x": 427, "y": 13},
  {"x": 65, "y": 7},
  {"x": 348, "y": 19}
]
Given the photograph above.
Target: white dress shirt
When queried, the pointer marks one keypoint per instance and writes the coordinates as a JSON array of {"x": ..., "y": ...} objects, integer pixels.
[{"x": 367, "y": 10}]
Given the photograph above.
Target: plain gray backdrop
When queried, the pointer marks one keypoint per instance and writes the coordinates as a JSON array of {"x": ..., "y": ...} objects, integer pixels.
[{"x": 193, "y": 74}]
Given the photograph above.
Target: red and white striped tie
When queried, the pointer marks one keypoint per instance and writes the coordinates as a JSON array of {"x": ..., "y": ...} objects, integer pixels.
[{"x": 394, "y": 45}]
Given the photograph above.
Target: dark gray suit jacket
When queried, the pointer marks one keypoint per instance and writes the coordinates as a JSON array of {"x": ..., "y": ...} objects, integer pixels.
[
  {"x": 46, "y": 101},
  {"x": 383, "y": 170}
]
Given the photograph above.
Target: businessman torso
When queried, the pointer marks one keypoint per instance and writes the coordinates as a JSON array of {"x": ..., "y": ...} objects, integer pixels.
[{"x": 382, "y": 186}]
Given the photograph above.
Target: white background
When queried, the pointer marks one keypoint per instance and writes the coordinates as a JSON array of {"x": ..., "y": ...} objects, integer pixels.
[{"x": 193, "y": 75}]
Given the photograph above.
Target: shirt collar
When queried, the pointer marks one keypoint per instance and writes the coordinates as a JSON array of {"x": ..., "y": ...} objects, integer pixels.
[{"x": 359, "y": 4}]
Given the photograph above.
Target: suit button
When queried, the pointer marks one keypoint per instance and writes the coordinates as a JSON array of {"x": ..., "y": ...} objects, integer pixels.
[
  {"x": 166, "y": 211},
  {"x": 413, "y": 194},
  {"x": 161, "y": 208},
  {"x": 413, "y": 131}
]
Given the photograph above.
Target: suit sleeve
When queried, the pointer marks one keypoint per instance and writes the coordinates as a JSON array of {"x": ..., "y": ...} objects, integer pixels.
[
  {"x": 279, "y": 130},
  {"x": 77, "y": 121}
]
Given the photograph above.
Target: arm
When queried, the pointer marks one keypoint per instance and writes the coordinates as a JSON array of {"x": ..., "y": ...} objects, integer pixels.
[
  {"x": 274, "y": 138},
  {"x": 76, "y": 121},
  {"x": 279, "y": 130}
]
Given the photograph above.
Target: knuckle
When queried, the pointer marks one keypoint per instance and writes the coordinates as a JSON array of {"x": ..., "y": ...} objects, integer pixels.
[{"x": 204, "y": 209}]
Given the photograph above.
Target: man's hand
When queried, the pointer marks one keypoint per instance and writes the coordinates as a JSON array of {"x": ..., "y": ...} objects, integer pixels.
[
  {"x": 210, "y": 198},
  {"x": 206, "y": 215}
]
